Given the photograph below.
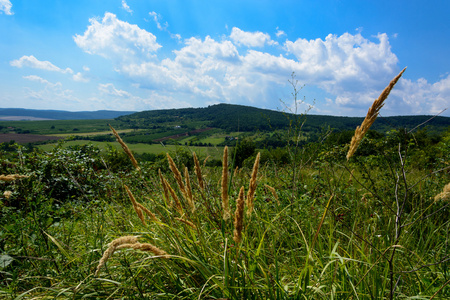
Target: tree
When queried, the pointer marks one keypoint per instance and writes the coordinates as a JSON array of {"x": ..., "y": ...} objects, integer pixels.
[{"x": 243, "y": 150}]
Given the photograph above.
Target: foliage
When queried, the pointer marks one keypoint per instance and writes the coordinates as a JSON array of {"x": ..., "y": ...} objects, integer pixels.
[{"x": 368, "y": 228}]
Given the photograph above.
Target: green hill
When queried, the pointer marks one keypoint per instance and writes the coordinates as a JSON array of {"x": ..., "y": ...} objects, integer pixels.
[{"x": 232, "y": 117}]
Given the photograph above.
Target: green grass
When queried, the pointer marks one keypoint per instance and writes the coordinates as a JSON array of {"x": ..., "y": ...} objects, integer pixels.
[
  {"x": 214, "y": 152},
  {"x": 368, "y": 228},
  {"x": 63, "y": 126}
]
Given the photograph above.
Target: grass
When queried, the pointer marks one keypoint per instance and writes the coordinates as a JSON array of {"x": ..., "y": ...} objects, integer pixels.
[
  {"x": 214, "y": 152},
  {"x": 343, "y": 229}
]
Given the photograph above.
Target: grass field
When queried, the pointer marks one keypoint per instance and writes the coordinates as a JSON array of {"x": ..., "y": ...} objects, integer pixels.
[{"x": 214, "y": 152}]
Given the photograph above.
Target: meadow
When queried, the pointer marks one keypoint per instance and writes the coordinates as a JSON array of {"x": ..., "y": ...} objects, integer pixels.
[{"x": 364, "y": 217}]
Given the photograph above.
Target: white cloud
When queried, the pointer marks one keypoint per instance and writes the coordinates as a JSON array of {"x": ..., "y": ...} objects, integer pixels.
[
  {"x": 351, "y": 70},
  {"x": 41, "y": 80},
  {"x": 5, "y": 6},
  {"x": 79, "y": 77},
  {"x": 33, "y": 62},
  {"x": 52, "y": 95},
  {"x": 110, "y": 89},
  {"x": 250, "y": 39},
  {"x": 420, "y": 96},
  {"x": 280, "y": 32},
  {"x": 116, "y": 39},
  {"x": 157, "y": 18},
  {"x": 126, "y": 7}
]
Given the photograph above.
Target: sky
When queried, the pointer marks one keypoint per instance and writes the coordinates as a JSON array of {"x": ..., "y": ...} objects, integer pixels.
[{"x": 138, "y": 55}]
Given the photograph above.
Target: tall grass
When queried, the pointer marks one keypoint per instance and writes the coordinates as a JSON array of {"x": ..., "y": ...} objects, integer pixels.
[{"x": 346, "y": 232}]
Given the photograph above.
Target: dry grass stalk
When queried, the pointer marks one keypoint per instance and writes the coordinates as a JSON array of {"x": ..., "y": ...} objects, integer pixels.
[
  {"x": 273, "y": 191},
  {"x": 190, "y": 198},
  {"x": 371, "y": 116},
  {"x": 189, "y": 223},
  {"x": 12, "y": 177},
  {"x": 225, "y": 201},
  {"x": 445, "y": 194},
  {"x": 236, "y": 170},
  {"x": 148, "y": 212},
  {"x": 163, "y": 183},
  {"x": 239, "y": 217},
  {"x": 112, "y": 247},
  {"x": 252, "y": 186},
  {"x": 176, "y": 174},
  {"x": 145, "y": 247},
  {"x": 206, "y": 159},
  {"x": 198, "y": 172},
  {"x": 125, "y": 149},
  {"x": 178, "y": 205},
  {"x": 7, "y": 194},
  {"x": 136, "y": 207}
]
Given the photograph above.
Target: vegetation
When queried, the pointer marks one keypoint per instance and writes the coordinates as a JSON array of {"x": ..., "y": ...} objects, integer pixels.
[{"x": 302, "y": 221}]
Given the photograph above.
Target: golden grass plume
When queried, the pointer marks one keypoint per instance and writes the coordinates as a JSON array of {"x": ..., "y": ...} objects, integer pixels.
[
  {"x": 445, "y": 194},
  {"x": 125, "y": 149},
  {"x": 176, "y": 174},
  {"x": 136, "y": 207},
  {"x": 273, "y": 191},
  {"x": 112, "y": 247},
  {"x": 164, "y": 186},
  {"x": 252, "y": 186},
  {"x": 239, "y": 217},
  {"x": 371, "y": 116},
  {"x": 198, "y": 172},
  {"x": 187, "y": 222},
  {"x": 128, "y": 242},
  {"x": 12, "y": 177}
]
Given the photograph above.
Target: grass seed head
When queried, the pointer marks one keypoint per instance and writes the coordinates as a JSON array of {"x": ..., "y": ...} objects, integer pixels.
[
  {"x": 136, "y": 207},
  {"x": 371, "y": 116},
  {"x": 176, "y": 174},
  {"x": 239, "y": 217},
  {"x": 12, "y": 177},
  {"x": 7, "y": 194},
  {"x": 445, "y": 194},
  {"x": 189, "y": 223},
  {"x": 164, "y": 186},
  {"x": 125, "y": 149},
  {"x": 112, "y": 247},
  {"x": 145, "y": 247},
  {"x": 252, "y": 186},
  {"x": 198, "y": 172}
]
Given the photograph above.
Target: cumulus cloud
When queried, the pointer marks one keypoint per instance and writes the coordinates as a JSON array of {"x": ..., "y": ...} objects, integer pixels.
[
  {"x": 420, "y": 96},
  {"x": 157, "y": 18},
  {"x": 280, "y": 32},
  {"x": 33, "y": 62},
  {"x": 5, "y": 7},
  {"x": 41, "y": 80},
  {"x": 351, "y": 69},
  {"x": 52, "y": 94},
  {"x": 115, "y": 39},
  {"x": 126, "y": 7},
  {"x": 110, "y": 89},
  {"x": 79, "y": 77},
  {"x": 250, "y": 39}
]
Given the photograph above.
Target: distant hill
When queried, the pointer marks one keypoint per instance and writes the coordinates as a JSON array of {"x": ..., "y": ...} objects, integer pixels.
[
  {"x": 18, "y": 114},
  {"x": 245, "y": 118}
]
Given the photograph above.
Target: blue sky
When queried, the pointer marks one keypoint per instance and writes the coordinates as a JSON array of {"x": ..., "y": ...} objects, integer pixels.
[{"x": 143, "y": 55}]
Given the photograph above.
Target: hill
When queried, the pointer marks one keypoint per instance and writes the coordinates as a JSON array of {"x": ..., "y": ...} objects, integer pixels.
[
  {"x": 18, "y": 114},
  {"x": 232, "y": 117}
]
